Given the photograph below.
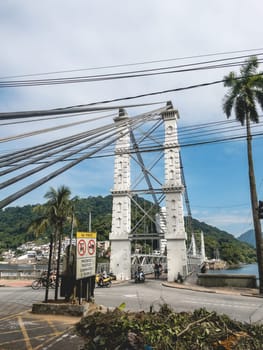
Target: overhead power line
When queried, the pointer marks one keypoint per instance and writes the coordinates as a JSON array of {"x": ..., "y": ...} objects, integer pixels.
[
  {"x": 214, "y": 64},
  {"x": 91, "y": 107},
  {"x": 134, "y": 63}
]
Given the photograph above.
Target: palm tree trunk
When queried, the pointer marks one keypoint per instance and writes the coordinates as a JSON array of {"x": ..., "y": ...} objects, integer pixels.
[
  {"x": 49, "y": 266},
  {"x": 254, "y": 205},
  {"x": 58, "y": 265}
]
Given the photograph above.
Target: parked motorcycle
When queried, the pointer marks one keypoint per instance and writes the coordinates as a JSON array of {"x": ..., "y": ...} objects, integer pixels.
[
  {"x": 139, "y": 276},
  {"x": 103, "y": 281},
  {"x": 112, "y": 276}
]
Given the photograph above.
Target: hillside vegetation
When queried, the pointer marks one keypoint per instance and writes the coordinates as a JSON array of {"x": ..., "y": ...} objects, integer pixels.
[{"x": 15, "y": 221}]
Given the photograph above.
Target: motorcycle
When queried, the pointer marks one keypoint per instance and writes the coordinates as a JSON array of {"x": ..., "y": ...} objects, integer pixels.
[
  {"x": 43, "y": 281},
  {"x": 103, "y": 281},
  {"x": 139, "y": 277}
]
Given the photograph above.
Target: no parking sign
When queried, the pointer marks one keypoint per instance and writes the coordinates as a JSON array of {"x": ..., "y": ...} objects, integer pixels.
[{"x": 86, "y": 254}]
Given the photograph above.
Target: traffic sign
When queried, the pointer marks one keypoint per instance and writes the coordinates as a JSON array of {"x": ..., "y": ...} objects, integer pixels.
[
  {"x": 91, "y": 247},
  {"x": 82, "y": 247},
  {"x": 86, "y": 254}
]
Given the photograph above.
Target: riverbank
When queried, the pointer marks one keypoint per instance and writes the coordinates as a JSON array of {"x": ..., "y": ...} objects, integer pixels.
[{"x": 252, "y": 292}]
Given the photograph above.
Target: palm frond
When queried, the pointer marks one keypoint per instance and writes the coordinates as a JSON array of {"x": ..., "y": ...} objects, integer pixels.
[
  {"x": 249, "y": 67},
  {"x": 228, "y": 103},
  {"x": 251, "y": 108},
  {"x": 244, "y": 92},
  {"x": 253, "y": 114},
  {"x": 230, "y": 79},
  {"x": 256, "y": 81},
  {"x": 259, "y": 97},
  {"x": 240, "y": 109}
]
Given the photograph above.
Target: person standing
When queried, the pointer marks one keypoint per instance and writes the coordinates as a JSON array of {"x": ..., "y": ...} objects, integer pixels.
[{"x": 157, "y": 270}]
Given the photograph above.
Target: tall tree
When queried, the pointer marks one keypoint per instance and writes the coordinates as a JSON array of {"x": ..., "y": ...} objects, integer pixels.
[
  {"x": 42, "y": 224},
  {"x": 59, "y": 211},
  {"x": 245, "y": 94},
  {"x": 52, "y": 216}
]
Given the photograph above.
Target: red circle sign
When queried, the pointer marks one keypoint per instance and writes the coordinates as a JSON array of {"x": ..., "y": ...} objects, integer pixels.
[
  {"x": 81, "y": 247},
  {"x": 91, "y": 247}
]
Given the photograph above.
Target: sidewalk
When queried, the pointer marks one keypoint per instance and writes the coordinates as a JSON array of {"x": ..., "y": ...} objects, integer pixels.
[
  {"x": 15, "y": 283},
  {"x": 219, "y": 290}
]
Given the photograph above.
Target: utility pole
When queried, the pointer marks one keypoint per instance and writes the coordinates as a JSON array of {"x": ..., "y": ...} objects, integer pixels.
[{"x": 89, "y": 221}]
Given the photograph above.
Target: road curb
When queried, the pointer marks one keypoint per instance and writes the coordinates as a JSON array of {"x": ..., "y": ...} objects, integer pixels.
[
  {"x": 177, "y": 286},
  {"x": 215, "y": 291}
]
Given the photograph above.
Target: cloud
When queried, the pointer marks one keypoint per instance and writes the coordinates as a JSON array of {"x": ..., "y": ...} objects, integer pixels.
[
  {"x": 54, "y": 36},
  {"x": 51, "y": 36},
  {"x": 233, "y": 220}
]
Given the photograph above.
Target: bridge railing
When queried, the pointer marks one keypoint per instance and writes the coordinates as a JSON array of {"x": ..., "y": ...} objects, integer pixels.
[
  {"x": 19, "y": 274},
  {"x": 193, "y": 263},
  {"x": 146, "y": 262}
]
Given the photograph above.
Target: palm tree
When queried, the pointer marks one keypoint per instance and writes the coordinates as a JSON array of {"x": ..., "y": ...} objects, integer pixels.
[
  {"x": 54, "y": 214},
  {"x": 42, "y": 225},
  {"x": 59, "y": 209},
  {"x": 244, "y": 95}
]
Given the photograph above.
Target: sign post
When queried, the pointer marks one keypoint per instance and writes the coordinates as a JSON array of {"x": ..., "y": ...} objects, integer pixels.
[{"x": 86, "y": 254}]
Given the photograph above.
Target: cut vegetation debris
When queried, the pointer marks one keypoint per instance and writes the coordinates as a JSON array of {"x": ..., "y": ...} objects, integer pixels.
[{"x": 165, "y": 329}]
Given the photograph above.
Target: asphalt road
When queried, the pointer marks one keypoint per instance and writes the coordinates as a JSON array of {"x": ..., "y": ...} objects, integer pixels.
[
  {"x": 20, "y": 329},
  {"x": 153, "y": 293}
]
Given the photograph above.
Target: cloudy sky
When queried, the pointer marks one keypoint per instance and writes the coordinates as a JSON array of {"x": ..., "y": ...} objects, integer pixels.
[{"x": 80, "y": 37}]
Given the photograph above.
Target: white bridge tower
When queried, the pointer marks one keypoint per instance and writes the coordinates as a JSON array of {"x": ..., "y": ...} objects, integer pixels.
[
  {"x": 120, "y": 261},
  {"x": 173, "y": 188},
  {"x": 175, "y": 232}
]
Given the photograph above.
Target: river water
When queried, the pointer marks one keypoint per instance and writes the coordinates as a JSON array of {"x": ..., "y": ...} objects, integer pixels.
[
  {"x": 250, "y": 269},
  {"x": 15, "y": 267},
  {"x": 21, "y": 267}
]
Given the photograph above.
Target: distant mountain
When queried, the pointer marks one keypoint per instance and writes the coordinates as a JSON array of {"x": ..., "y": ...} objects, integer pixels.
[{"x": 248, "y": 237}]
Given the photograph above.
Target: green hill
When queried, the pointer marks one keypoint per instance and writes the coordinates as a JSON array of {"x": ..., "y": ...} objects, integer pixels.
[
  {"x": 15, "y": 221},
  {"x": 222, "y": 244}
]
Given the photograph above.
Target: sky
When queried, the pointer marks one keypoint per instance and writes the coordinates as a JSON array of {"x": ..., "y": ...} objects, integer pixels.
[{"x": 79, "y": 36}]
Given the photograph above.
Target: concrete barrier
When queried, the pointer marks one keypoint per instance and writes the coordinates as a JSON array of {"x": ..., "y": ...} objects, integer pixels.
[
  {"x": 226, "y": 280},
  {"x": 60, "y": 308}
]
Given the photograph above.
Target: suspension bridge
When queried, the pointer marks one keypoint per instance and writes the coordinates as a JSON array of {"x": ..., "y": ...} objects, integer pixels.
[
  {"x": 147, "y": 164},
  {"x": 169, "y": 222}
]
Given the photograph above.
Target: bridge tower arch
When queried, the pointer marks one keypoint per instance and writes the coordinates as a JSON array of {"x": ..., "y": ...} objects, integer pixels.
[
  {"x": 173, "y": 188},
  {"x": 120, "y": 260}
]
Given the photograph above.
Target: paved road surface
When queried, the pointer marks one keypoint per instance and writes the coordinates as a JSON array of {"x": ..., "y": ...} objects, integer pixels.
[{"x": 22, "y": 330}]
